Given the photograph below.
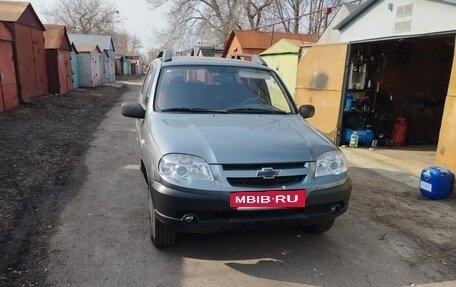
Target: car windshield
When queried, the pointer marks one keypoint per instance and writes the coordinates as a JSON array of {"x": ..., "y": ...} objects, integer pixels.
[{"x": 220, "y": 89}]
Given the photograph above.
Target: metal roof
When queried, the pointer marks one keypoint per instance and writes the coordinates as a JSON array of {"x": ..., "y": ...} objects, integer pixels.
[
  {"x": 103, "y": 41},
  {"x": 12, "y": 11},
  {"x": 261, "y": 40},
  {"x": 284, "y": 46},
  {"x": 362, "y": 8},
  {"x": 87, "y": 48},
  {"x": 55, "y": 36}
]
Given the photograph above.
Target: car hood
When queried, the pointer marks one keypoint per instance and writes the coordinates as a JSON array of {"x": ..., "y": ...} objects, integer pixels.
[{"x": 229, "y": 138}]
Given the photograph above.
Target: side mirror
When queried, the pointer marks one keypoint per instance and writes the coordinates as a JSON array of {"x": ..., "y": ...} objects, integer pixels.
[
  {"x": 307, "y": 111},
  {"x": 133, "y": 110}
]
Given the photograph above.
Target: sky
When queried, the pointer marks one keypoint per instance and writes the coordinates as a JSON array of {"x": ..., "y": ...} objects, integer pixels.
[{"x": 137, "y": 18}]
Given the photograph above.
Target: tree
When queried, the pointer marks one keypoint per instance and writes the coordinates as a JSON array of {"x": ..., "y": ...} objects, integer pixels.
[
  {"x": 126, "y": 43},
  {"x": 209, "y": 19},
  {"x": 152, "y": 54},
  {"x": 84, "y": 16},
  {"x": 193, "y": 21},
  {"x": 255, "y": 10},
  {"x": 288, "y": 12},
  {"x": 306, "y": 16}
]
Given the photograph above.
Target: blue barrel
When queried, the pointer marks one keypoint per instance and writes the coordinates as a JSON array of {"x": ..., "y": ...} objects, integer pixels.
[{"x": 436, "y": 182}]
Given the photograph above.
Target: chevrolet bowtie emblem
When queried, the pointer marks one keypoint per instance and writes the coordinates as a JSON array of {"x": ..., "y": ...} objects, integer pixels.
[{"x": 268, "y": 173}]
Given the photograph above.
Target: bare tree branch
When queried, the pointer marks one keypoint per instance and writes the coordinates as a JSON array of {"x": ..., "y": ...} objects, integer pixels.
[
  {"x": 84, "y": 16},
  {"x": 193, "y": 21}
]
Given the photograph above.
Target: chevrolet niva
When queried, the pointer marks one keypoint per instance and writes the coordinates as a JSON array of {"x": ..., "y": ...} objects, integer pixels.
[{"x": 224, "y": 147}]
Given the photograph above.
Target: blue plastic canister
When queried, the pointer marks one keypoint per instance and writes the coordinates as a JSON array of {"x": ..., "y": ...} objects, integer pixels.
[
  {"x": 365, "y": 136},
  {"x": 436, "y": 182}
]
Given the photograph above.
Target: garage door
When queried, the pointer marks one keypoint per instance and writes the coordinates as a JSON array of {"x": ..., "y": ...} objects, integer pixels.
[
  {"x": 446, "y": 150},
  {"x": 8, "y": 88},
  {"x": 320, "y": 82}
]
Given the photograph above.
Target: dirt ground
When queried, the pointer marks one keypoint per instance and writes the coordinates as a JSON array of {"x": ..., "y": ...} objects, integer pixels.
[
  {"x": 390, "y": 236},
  {"x": 42, "y": 145}
]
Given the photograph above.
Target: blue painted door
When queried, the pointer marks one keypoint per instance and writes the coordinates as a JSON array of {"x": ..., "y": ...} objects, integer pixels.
[{"x": 74, "y": 70}]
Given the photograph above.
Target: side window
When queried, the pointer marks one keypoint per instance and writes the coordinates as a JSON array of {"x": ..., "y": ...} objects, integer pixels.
[{"x": 148, "y": 83}]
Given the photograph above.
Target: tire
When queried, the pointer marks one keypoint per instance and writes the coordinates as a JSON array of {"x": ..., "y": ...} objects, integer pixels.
[
  {"x": 321, "y": 227},
  {"x": 160, "y": 234},
  {"x": 143, "y": 171}
]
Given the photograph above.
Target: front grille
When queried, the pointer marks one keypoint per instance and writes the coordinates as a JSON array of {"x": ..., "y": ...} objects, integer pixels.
[
  {"x": 259, "y": 166},
  {"x": 259, "y": 181}
]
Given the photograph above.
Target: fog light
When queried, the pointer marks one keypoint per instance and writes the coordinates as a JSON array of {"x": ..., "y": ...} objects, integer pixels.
[
  {"x": 334, "y": 209},
  {"x": 189, "y": 218}
]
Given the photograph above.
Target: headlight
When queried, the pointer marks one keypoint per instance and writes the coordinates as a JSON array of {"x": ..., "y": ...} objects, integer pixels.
[
  {"x": 331, "y": 163},
  {"x": 183, "y": 167}
]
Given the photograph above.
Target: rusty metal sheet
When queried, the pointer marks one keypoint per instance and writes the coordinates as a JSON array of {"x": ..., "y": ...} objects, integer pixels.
[
  {"x": 320, "y": 82},
  {"x": 8, "y": 88},
  {"x": 40, "y": 62},
  {"x": 446, "y": 149},
  {"x": 30, "y": 62},
  {"x": 24, "y": 61},
  {"x": 68, "y": 71},
  {"x": 5, "y": 33}
]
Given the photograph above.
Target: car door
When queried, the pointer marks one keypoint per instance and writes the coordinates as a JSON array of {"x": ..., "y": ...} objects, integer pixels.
[{"x": 144, "y": 136}]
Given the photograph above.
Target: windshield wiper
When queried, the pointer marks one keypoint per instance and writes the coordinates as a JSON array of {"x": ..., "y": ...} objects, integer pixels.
[
  {"x": 255, "y": 111},
  {"x": 192, "y": 110}
]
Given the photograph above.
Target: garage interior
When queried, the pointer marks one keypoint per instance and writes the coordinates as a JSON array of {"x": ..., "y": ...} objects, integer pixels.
[{"x": 396, "y": 90}]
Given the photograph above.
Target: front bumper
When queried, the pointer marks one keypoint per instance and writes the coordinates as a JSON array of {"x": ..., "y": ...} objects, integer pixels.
[{"x": 211, "y": 213}]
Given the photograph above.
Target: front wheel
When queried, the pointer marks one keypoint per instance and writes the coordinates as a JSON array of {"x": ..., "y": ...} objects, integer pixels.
[
  {"x": 321, "y": 227},
  {"x": 160, "y": 234}
]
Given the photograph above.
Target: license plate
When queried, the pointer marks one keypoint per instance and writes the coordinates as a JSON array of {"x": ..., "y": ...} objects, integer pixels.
[{"x": 268, "y": 199}]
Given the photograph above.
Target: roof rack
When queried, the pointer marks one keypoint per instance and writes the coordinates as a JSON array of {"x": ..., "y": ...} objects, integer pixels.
[
  {"x": 165, "y": 55},
  {"x": 254, "y": 58}
]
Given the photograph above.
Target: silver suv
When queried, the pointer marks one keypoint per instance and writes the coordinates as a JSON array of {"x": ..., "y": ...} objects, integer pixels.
[{"x": 224, "y": 147}]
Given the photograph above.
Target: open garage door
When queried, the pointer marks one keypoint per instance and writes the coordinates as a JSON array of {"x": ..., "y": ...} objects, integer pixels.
[
  {"x": 320, "y": 82},
  {"x": 446, "y": 150}
]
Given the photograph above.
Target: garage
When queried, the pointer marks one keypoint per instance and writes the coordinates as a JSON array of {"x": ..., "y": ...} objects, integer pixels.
[
  {"x": 396, "y": 90},
  {"x": 390, "y": 81}
]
